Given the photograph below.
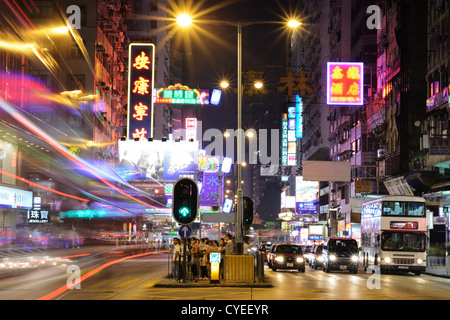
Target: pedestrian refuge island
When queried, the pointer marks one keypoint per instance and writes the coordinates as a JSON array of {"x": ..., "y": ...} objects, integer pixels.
[{"x": 239, "y": 268}]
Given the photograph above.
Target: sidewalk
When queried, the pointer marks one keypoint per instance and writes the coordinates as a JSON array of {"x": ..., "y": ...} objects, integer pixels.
[
  {"x": 167, "y": 282},
  {"x": 438, "y": 271}
]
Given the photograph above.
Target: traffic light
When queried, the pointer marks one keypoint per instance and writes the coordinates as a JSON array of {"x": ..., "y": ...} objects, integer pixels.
[
  {"x": 185, "y": 201},
  {"x": 248, "y": 211}
]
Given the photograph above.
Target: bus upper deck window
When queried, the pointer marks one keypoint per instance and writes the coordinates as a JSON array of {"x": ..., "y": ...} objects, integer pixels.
[{"x": 393, "y": 208}]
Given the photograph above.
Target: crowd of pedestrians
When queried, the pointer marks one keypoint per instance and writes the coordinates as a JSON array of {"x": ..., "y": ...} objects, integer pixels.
[{"x": 197, "y": 257}]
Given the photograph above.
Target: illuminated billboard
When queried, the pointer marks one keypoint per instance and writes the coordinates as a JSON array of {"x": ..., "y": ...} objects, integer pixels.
[
  {"x": 306, "y": 196},
  {"x": 345, "y": 83},
  {"x": 141, "y": 72},
  {"x": 159, "y": 160}
]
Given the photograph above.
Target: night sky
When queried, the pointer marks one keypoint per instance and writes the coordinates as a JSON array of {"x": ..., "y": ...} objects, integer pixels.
[{"x": 211, "y": 55}]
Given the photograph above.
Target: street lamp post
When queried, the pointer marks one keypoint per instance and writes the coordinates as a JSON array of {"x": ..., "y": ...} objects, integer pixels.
[
  {"x": 184, "y": 20},
  {"x": 239, "y": 200}
]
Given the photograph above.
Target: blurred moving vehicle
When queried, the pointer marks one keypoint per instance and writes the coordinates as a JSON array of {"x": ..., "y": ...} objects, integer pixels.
[
  {"x": 340, "y": 254},
  {"x": 307, "y": 250},
  {"x": 316, "y": 260},
  {"x": 264, "y": 247},
  {"x": 286, "y": 256}
]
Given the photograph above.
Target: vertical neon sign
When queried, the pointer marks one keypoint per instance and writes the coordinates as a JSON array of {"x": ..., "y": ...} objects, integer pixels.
[
  {"x": 284, "y": 139},
  {"x": 298, "y": 117},
  {"x": 141, "y": 73}
]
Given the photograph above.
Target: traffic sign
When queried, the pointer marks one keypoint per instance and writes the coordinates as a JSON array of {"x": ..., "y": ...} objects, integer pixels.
[{"x": 185, "y": 231}]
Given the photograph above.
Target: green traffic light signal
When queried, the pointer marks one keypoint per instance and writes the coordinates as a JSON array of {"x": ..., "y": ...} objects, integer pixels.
[
  {"x": 184, "y": 211},
  {"x": 185, "y": 201}
]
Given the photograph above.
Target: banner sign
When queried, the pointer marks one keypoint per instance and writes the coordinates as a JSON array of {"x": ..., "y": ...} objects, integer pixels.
[
  {"x": 16, "y": 198},
  {"x": 141, "y": 72}
]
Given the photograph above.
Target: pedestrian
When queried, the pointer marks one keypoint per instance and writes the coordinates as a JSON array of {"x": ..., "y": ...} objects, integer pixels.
[
  {"x": 205, "y": 260},
  {"x": 195, "y": 263},
  {"x": 229, "y": 245},
  {"x": 188, "y": 260},
  {"x": 246, "y": 247},
  {"x": 176, "y": 260}
]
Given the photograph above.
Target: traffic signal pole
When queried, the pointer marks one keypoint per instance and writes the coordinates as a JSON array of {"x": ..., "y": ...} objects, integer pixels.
[
  {"x": 184, "y": 261},
  {"x": 185, "y": 210},
  {"x": 239, "y": 203}
]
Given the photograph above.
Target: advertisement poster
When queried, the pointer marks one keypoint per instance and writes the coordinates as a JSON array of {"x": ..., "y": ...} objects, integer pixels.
[
  {"x": 306, "y": 196},
  {"x": 162, "y": 161}
]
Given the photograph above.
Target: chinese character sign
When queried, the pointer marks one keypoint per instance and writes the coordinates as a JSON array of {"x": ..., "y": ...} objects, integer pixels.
[
  {"x": 180, "y": 94},
  {"x": 140, "y": 87},
  {"x": 284, "y": 139},
  {"x": 345, "y": 83},
  {"x": 209, "y": 195}
]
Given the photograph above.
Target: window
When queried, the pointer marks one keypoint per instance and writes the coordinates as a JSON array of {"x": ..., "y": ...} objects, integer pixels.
[
  {"x": 416, "y": 209},
  {"x": 340, "y": 246},
  {"x": 289, "y": 249},
  {"x": 75, "y": 52},
  {"x": 392, "y": 208},
  {"x": 402, "y": 241},
  {"x": 75, "y": 82}
]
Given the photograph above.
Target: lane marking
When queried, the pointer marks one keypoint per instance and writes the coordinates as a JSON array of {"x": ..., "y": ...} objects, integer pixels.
[
  {"x": 66, "y": 287},
  {"x": 123, "y": 284}
]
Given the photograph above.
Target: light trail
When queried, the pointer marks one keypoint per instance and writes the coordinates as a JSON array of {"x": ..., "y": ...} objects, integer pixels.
[{"x": 68, "y": 286}]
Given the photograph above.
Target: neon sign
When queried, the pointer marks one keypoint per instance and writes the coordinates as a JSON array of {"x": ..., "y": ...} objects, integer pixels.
[
  {"x": 298, "y": 117},
  {"x": 191, "y": 129},
  {"x": 345, "y": 83},
  {"x": 284, "y": 139},
  {"x": 141, "y": 66},
  {"x": 180, "y": 94}
]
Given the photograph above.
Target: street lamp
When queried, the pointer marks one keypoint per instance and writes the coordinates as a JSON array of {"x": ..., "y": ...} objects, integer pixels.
[
  {"x": 293, "y": 23},
  {"x": 185, "y": 20}
]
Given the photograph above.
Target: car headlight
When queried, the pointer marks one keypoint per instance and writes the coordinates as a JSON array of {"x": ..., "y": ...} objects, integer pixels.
[
  {"x": 387, "y": 260},
  {"x": 299, "y": 259},
  {"x": 419, "y": 261},
  {"x": 279, "y": 259},
  {"x": 333, "y": 257},
  {"x": 355, "y": 258},
  {"x": 319, "y": 258}
]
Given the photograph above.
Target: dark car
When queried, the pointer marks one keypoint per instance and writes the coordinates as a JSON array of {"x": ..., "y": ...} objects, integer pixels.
[
  {"x": 340, "y": 254},
  {"x": 286, "y": 256},
  {"x": 316, "y": 260}
]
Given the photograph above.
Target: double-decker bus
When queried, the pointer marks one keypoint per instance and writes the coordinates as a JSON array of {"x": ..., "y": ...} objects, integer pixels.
[{"x": 394, "y": 234}]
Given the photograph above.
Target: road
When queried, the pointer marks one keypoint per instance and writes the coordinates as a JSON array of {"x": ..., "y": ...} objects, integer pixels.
[{"x": 115, "y": 276}]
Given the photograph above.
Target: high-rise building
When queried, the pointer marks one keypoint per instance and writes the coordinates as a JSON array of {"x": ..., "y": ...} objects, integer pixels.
[
  {"x": 146, "y": 21},
  {"x": 70, "y": 87}
]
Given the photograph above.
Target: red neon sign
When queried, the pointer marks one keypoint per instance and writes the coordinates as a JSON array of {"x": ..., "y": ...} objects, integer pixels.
[
  {"x": 140, "y": 88},
  {"x": 345, "y": 83}
]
